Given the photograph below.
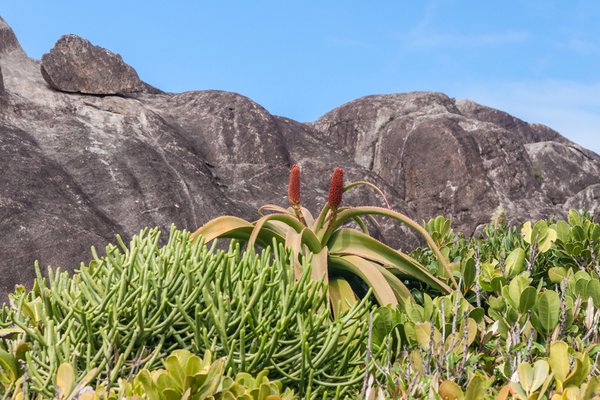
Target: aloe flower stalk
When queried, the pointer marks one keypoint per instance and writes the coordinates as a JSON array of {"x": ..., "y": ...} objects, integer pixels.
[
  {"x": 294, "y": 186},
  {"x": 336, "y": 189},
  {"x": 294, "y": 192}
]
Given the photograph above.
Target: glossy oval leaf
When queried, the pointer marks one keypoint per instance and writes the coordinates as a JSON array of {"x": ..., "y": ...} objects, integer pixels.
[
  {"x": 548, "y": 310},
  {"x": 450, "y": 391},
  {"x": 515, "y": 262},
  {"x": 559, "y": 360},
  {"x": 528, "y": 299}
]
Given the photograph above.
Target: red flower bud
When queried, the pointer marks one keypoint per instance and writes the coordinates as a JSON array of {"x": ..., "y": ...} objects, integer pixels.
[
  {"x": 336, "y": 189},
  {"x": 294, "y": 186}
]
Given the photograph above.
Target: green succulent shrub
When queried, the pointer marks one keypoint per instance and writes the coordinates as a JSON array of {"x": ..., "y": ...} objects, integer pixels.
[
  {"x": 339, "y": 255},
  {"x": 126, "y": 310},
  {"x": 184, "y": 376}
]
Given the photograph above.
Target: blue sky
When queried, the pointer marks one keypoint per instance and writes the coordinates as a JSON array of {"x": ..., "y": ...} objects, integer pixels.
[{"x": 538, "y": 60}]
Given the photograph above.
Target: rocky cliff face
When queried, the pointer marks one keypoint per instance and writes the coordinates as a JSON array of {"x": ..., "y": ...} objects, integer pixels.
[{"x": 96, "y": 151}]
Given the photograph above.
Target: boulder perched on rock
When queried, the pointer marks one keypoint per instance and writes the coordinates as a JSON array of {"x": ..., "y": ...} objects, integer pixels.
[
  {"x": 78, "y": 169},
  {"x": 75, "y": 65}
]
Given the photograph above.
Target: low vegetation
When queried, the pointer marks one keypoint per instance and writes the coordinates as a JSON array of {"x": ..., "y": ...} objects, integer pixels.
[{"x": 296, "y": 307}]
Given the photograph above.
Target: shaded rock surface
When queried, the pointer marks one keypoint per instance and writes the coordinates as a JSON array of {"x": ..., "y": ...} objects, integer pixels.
[
  {"x": 78, "y": 169},
  {"x": 76, "y": 65},
  {"x": 458, "y": 158}
]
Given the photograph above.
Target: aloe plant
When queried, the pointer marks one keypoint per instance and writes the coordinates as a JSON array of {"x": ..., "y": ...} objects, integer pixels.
[{"x": 339, "y": 255}]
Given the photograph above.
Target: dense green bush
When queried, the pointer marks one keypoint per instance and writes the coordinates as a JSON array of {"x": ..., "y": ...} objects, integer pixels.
[
  {"x": 130, "y": 308},
  {"x": 526, "y": 320},
  {"x": 524, "y": 323}
]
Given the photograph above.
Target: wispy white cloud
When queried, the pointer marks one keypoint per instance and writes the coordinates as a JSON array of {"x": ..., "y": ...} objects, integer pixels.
[
  {"x": 582, "y": 46},
  {"x": 425, "y": 35},
  {"x": 571, "y": 108},
  {"x": 422, "y": 39}
]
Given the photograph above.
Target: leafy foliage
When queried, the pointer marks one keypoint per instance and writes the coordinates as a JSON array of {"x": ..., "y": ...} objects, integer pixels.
[
  {"x": 523, "y": 320},
  {"x": 127, "y": 310},
  {"x": 338, "y": 254}
]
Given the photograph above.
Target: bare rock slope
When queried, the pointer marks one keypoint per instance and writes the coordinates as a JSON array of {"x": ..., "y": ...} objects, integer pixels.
[{"x": 78, "y": 168}]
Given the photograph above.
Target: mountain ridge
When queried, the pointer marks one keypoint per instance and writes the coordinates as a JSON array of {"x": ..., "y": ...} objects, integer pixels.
[{"x": 81, "y": 168}]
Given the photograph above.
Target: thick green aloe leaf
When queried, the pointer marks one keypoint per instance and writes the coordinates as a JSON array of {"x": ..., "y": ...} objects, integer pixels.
[
  {"x": 235, "y": 228},
  {"x": 350, "y": 213},
  {"x": 342, "y": 296},
  {"x": 352, "y": 242},
  {"x": 369, "y": 273}
]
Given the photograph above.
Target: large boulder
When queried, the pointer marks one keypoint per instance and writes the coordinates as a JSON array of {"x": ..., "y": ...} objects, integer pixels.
[
  {"x": 75, "y": 65},
  {"x": 78, "y": 169},
  {"x": 456, "y": 157}
]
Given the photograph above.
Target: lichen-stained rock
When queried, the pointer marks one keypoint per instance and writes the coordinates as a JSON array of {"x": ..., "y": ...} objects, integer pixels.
[
  {"x": 451, "y": 157},
  {"x": 238, "y": 137},
  {"x": 519, "y": 129},
  {"x": 75, "y": 65},
  {"x": 44, "y": 214},
  {"x": 587, "y": 199},
  {"x": 563, "y": 168}
]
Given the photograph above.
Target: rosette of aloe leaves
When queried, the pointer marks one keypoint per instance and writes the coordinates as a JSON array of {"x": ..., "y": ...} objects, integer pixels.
[{"x": 345, "y": 258}]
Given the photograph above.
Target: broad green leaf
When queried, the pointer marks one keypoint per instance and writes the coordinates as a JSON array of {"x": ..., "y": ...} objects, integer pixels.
[
  {"x": 593, "y": 291},
  {"x": 513, "y": 291},
  {"x": 469, "y": 272},
  {"x": 65, "y": 378},
  {"x": 475, "y": 388},
  {"x": 592, "y": 391},
  {"x": 548, "y": 310},
  {"x": 83, "y": 382},
  {"x": 526, "y": 231},
  {"x": 423, "y": 335},
  {"x": 546, "y": 239},
  {"x": 525, "y": 371},
  {"x": 527, "y": 300},
  {"x": 578, "y": 374},
  {"x": 557, "y": 274},
  {"x": 9, "y": 365},
  {"x": 515, "y": 262},
  {"x": 559, "y": 360},
  {"x": 540, "y": 374},
  {"x": 173, "y": 366},
  {"x": 385, "y": 321},
  {"x": 450, "y": 391},
  {"x": 574, "y": 217},
  {"x": 563, "y": 231}
]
